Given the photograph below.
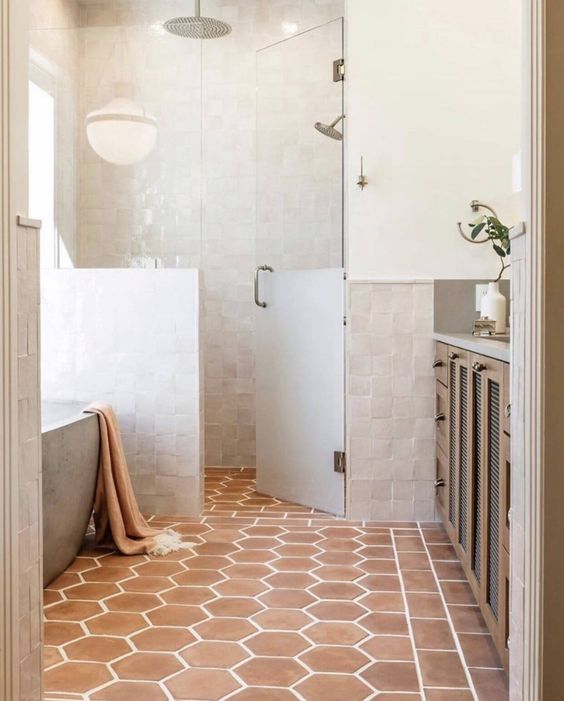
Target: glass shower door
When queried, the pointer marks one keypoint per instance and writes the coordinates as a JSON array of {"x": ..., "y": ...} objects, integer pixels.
[{"x": 299, "y": 286}]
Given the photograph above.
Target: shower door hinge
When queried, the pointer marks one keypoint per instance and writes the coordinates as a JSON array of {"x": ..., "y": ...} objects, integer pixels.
[
  {"x": 344, "y": 321},
  {"x": 338, "y": 70},
  {"x": 339, "y": 462}
]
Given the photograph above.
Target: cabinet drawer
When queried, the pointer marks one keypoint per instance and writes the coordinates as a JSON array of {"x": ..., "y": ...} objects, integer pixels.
[
  {"x": 440, "y": 363},
  {"x": 441, "y": 416}
]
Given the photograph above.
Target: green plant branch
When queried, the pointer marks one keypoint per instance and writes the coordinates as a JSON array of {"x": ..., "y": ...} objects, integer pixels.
[{"x": 498, "y": 234}]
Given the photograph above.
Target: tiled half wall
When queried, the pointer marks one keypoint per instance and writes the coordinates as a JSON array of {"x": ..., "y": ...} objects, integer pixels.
[
  {"x": 390, "y": 401},
  {"x": 131, "y": 337}
]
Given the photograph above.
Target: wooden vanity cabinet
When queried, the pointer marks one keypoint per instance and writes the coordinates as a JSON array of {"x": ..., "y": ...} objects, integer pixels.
[{"x": 473, "y": 476}]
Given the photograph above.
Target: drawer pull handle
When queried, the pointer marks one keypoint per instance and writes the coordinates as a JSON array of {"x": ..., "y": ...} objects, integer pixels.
[
  {"x": 439, "y": 417},
  {"x": 507, "y": 411},
  {"x": 452, "y": 355},
  {"x": 440, "y": 483},
  {"x": 438, "y": 364},
  {"x": 478, "y": 367}
]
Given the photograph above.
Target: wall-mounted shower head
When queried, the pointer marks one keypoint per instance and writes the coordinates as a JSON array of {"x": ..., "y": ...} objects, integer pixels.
[
  {"x": 197, "y": 27},
  {"x": 329, "y": 129}
]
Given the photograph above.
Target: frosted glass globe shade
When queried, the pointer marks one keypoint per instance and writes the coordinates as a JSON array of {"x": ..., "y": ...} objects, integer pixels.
[{"x": 121, "y": 132}]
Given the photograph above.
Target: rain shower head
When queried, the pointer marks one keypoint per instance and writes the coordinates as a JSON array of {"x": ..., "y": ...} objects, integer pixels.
[
  {"x": 197, "y": 27},
  {"x": 329, "y": 129}
]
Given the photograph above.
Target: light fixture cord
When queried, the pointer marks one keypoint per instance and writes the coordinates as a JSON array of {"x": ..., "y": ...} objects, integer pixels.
[{"x": 198, "y": 8}]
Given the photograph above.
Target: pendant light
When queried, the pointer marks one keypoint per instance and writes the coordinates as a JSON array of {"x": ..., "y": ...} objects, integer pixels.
[{"x": 122, "y": 132}]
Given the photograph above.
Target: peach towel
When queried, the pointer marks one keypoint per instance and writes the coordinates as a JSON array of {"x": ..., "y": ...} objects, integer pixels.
[{"x": 116, "y": 513}]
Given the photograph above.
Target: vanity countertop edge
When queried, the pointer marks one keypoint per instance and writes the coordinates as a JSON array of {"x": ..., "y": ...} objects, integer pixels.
[{"x": 500, "y": 350}]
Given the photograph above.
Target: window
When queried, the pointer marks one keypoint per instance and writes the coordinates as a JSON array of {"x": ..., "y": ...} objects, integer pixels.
[{"x": 42, "y": 170}]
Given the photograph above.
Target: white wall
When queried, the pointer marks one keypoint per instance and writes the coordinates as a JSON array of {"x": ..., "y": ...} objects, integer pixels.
[
  {"x": 131, "y": 338},
  {"x": 434, "y": 105}
]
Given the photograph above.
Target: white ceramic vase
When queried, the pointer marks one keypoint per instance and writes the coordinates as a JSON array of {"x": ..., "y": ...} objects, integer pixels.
[{"x": 494, "y": 307}]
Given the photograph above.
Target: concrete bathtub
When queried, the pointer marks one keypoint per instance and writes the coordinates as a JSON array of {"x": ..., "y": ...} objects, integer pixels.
[{"x": 70, "y": 445}]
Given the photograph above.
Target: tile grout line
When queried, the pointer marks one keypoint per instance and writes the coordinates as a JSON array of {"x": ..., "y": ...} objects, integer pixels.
[
  {"x": 449, "y": 619},
  {"x": 407, "y": 616}
]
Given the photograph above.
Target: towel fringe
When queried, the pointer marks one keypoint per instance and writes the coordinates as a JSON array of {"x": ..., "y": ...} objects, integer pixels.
[{"x": 168, "y": 542}]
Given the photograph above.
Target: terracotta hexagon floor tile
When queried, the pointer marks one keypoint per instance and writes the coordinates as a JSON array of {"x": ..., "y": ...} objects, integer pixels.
[
  {"x": 214, "y": 654},
  {"x": 223, "y": 535},
  {"x": 51, "y": 597},
  {"x": 78, "y": 677},
  {"x": 425, "y": 605},
  {"x": 282, "y": 619},
  {"x": 392, "y": 676},
  {"x": 432, "y": 634},
  {"x": 294, "y": 564},
  {"x": 271, "y": 671},
  {"x": 130, "y": 691},
  {"x": 240, "y": 587},
  {"x": 188, "y": 596},
  {"x": 108, "y": 574},
  {"x": 420, "y": 580},
  {"x": 335, "y": 633},
  {"x": 63, "y": 581},
  {"x": 253, "y": 556},
  {"x": 334, "y": 659},
  {"x": 290, "y": 580},
  {"x": 338, "y": 558},
  {"x": 192, "y": 529},
  {"x": 337, "y": 590},
  {"x": 338, "y": 573},
  {"x": 207, "y": 562},
  {"x": 338, "y": 545},
  {"x": 277, "y": 644},
  {"x": 389, "y": 647},
  {"x": 235, "y": 607},
  {"x": 301, "y": 537},
  {"x": 159, "y": 569},
  {"x": 247, "y": 571},
  {"x": 115, "y": 623},
  {"x": 258, "y": 543},
  {"x": 336, "y": 611},
  {"x": 383, "y": 601},
  {"x": 57, "y": 633},
  {"x": 172, "y": 615},
  {"x": 133, "y": 602},
  {"x": 197, "y": 578},
  {"x": 97, "y": 649},
  {"x": 345, "y": 532},
  {"x": 378, "y": 566},
  {"x": 287, "y": 598},
  {"x": 93, "y": 591},
  {"x": 72, "y": 611},
  {"x": 51, "y": 656},
  {"x": 162, "y": 639},
  {"x": 453, "y": 695},
  {"x": 151, "y": 666},
  {"x": 202, "y": 684},
  {"x": 263, "y": 531},
  {"x": 118, "y": 560},
  {"x": 297, "y": 550},
  {"x": 147, "y": 585},
  {"x": 215, "y": 549},
  {"x": 385, "y": 623},
  {"x": 333, "y": 687},
  {"x": 262, "y": 694},
  {"x": 226, "y": 629},
  {"x": 380, "y": 582}
]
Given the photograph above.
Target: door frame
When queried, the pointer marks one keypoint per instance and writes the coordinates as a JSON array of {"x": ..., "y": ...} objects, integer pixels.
[{"x": 543, "y": 379}]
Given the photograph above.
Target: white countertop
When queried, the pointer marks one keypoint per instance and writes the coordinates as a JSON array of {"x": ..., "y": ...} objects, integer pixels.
[{"x": 500, "y": 350}]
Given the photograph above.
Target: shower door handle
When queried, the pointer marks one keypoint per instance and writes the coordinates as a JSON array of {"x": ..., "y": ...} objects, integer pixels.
[{"x": 261, "y": 268}]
